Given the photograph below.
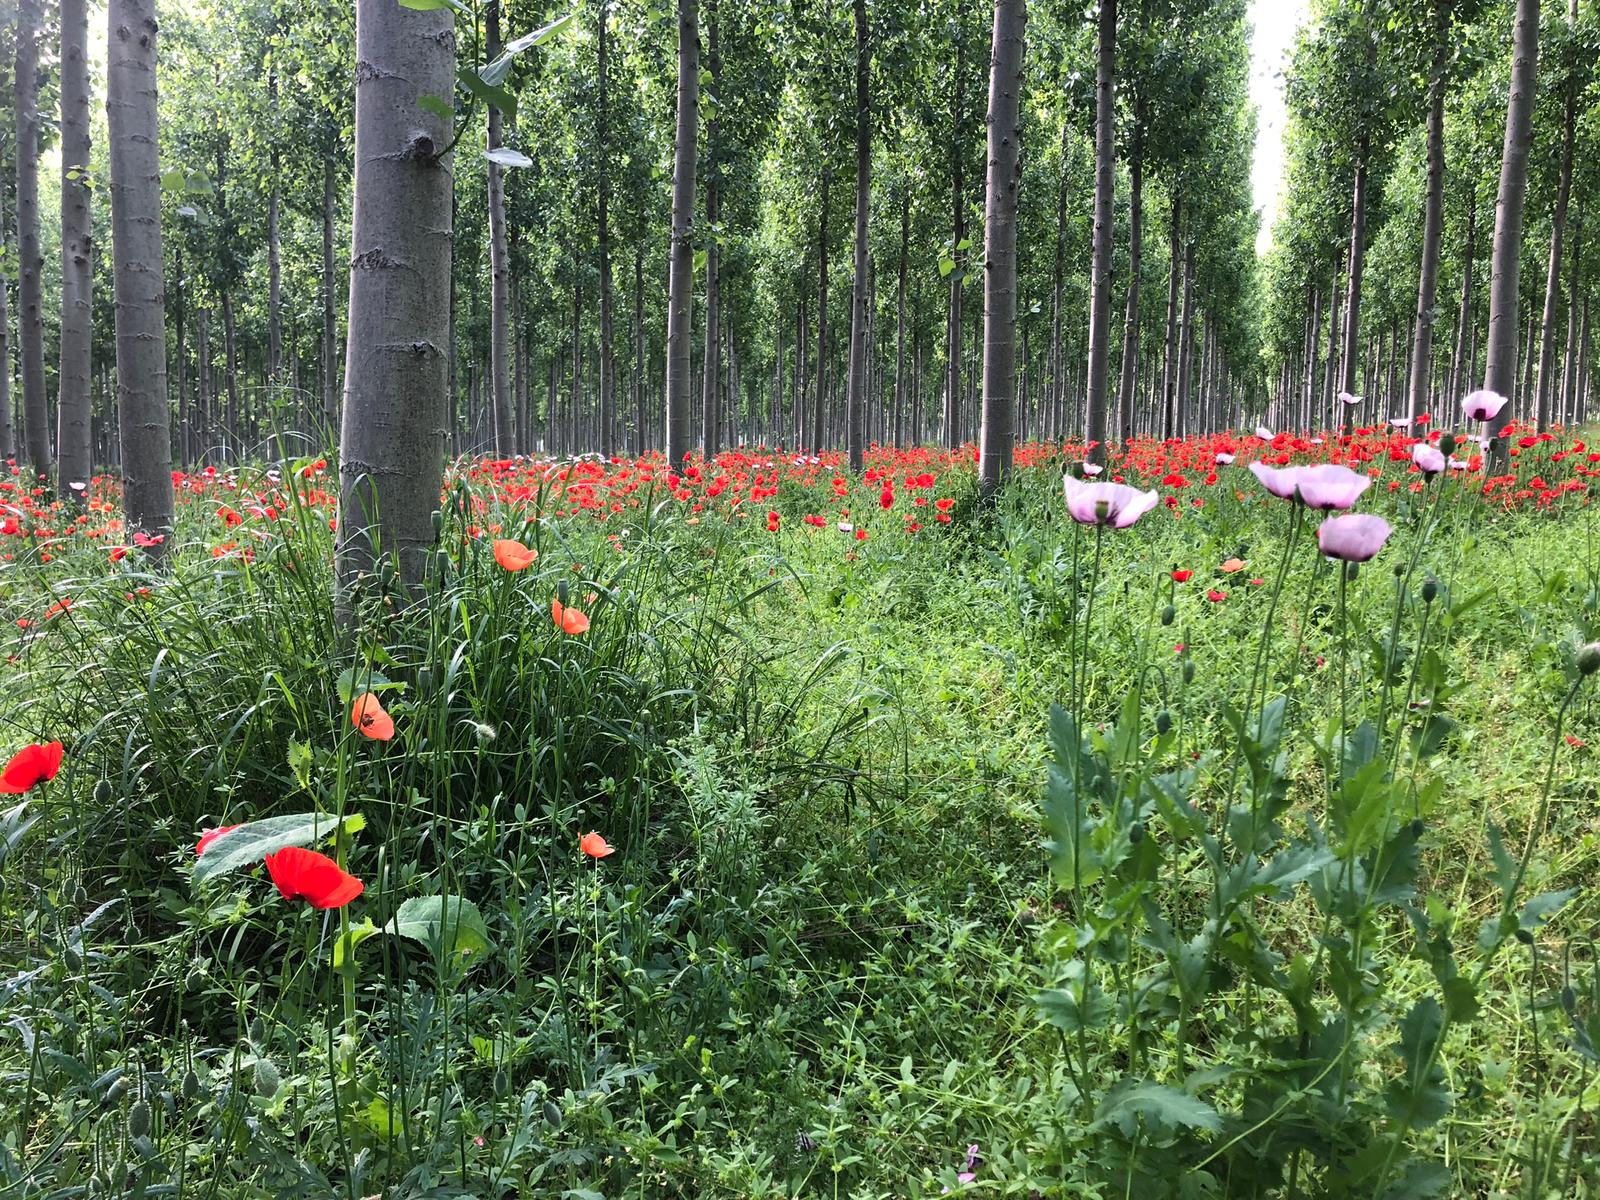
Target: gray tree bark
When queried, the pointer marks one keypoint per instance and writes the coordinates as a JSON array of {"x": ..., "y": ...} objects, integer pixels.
[
  {"x": 856, "y": 387},
  {"x": 1500, "y": 369},
  {"x": 499, "y": 260},
  {"x": 1460, "y": 368},
  {"x": 680, "y": 282},
  {"x": 1558, "y": 227},
  {"x": 1432, "y": 224},
  {"x": 711, "y": 357},
  {"x": 1130, "y": 318},
  {"x": 30, "y": 264},
  {"x": 392, "y": 438},
  {"x": 329, "y": 342},
  {"x": 996, "y": 437},
  {"x": 73, "y": 436},
  {"x": 1104, "y": 217},
  {"x": 605, "y": 443},
  {"x": 141, "y": 334}
]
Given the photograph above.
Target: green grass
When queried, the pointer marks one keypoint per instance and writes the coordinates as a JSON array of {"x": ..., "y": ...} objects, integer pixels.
[{"x": 812, "y": 968}]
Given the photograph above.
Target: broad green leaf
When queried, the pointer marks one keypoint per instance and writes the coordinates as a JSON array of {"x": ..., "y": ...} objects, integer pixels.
[
  {"x": 437, "y": 105},
  {"x": 367, "y": 681},
  {"x": 1542, "y": 907},
  {"x": 505, "y": 156},
  {"x": 445, "y": 925},
  {"x": 300, "y": 762},
  {"x": 250, "y": 843},
  {"x": 432, "y": 5},
  {"x": 539, "y": 36},
  {"x": 488, "y": 93},
  {"x": 1135, "y": 1102},
  {"x": 344, "y": 947}
]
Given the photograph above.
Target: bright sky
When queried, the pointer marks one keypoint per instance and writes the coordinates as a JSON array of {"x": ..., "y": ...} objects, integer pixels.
[{"x": 1275, "y": 22}]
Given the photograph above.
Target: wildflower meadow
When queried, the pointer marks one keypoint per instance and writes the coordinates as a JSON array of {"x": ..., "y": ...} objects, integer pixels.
[{"x": 1219, "y": 823}]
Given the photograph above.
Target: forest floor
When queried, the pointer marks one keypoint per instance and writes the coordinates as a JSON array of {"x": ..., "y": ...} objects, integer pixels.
[{"x": 953, "y": 850}]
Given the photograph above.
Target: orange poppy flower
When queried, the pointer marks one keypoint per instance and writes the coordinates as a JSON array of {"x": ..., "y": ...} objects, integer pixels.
[
  {"x": 368, "y": 716},
  {"x": 1232, "y": 565},
  {"x": 512, "y": 555},
  {"x": 596, "y": 846},
  {"x": 568, "y": 619}
]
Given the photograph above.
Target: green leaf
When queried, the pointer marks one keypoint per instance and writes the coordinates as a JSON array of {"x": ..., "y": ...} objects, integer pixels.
[
  {"x": 250, "y": 843},
  {"x": 437, "y": 105},
  {"x": 946, "y": 265},
  {"x": 505, "y": 156},
  {"x": 1505, "y": 869},
  {"x": 1542, "y": 907},
  {"x": 368, "y": 681},
  {"x": 344, "y": 947},
  {"x": 1135, "y": 1102},
  {"x": 172, "y": 181},
  {"x": 497, "y": 97},
  {"x": 433, "y": 5},
  {"x": 300, "y": 762},
  {"x": 445, "y": 925},
  {"x": 539, "y": 36}
]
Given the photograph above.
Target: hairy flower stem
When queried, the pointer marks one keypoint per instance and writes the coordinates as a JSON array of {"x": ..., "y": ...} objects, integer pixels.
[{"x": 1391, "y": 650}]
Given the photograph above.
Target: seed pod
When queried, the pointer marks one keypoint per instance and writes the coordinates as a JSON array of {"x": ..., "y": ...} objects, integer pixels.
[
  {"x": 1447, "y": 444},
  {"x": 1430, "y": 591},
  {"x": 437, "y": 518},
  {"x": 139, "y": 1119},
  {"x": 267, "y": 1079},
  {"x": 1589, "y": 659}
]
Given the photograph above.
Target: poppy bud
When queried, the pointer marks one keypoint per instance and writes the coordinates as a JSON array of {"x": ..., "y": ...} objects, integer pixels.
[
  {"x": 267, "y": 1079},
  {"x": 502, "y": 1082},
  {"x": 1168, "y": 615},
  {"x": 1417, "y": 827},
  {"x": 1589, "y": 659},
  {"x": 120, "y": 1177},
  {"x": 103, "y": 792},
  {"x": 1447, "y": 444},
  {"x": 139, "y": 1119},
  {"x": 258, "y": 1030},
  {"x": 780, "y": 843},
  {"x": 424, "y": 680},
  {"x": 1399, "y": 570},
  {"x": 80, "y": 896},
  {"x": 1136, "y": 832},
  {"x": 1430, "y": 591},
  {"x": 1524, "y": 937},
  {"x": 1569, "y": 998},
  {"x": 1188, "y": 670},
  {"x": 552, "y": 1114},
  {"x": 437, "y": 518},
  {"x": 72, "y": 958},
  {"x": 1163, "y": 721},
  {"x": 118, "y": 1089},
  {"x": 191, "y": 1084}
]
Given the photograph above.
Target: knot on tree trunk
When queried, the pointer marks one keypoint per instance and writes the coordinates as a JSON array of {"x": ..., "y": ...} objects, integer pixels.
[{"x": 372, "y": 260}]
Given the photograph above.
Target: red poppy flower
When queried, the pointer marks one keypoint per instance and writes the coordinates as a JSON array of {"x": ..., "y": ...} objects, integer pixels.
[
  {"x": 1182, "y": 576},
  {"x": 568, "y": 619},
  {"x": 367, "y": 715},
  {"x": 512, "y": 555},
  {"x": 303, "y": 874},
  {"x": 210, "y": 835},
  {"x": 1215, "y": 596},
  {"x": 29, "y": 766},
  {"x": 596, "y": 846}
]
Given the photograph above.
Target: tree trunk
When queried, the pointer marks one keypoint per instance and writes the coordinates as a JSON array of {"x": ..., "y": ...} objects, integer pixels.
[
  {"x": 900, "y": 323},
  {"x": 330, "y": 343},
  {"x": 73, "y": 435},
  {"x": 711, "y": 356},
  {"x": 1169, "y": 375},
  {"x": 1058, "y": 381},
  {"x": 1500, "y": 371},
  {"x": 1570, "y": 360},
  {"x": 958, "y": 231},
  {"x": 606, "y": 442},
  {"x": 499, "y": 257},
  {"x": 1332, "y": 359},
  {"x": 820, "y": 413},
  {"x": 1558, "y": 226},
  {"x": 230, "y": 367},
  {"x": 1432, "y": 222},
  {"x": 1130, "y": 318},
  {"x": 1104, "y": 218},
  {"x": 392, "y": 442},
  {"x": 8, "y": 438},
  {"x": 141, "y": 334},
  {"x": 856, "y": 393},
  {"x": 1351, "y": 362},
  {"x": 1460, "y": 367},
  {"x": 680, "y": 285},
  {"x": 1186, "y": 346},
  {"x": 30, "y": 259},
  {"x": 1000, "y": 245}
]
